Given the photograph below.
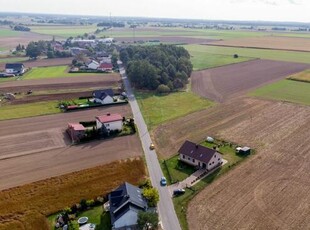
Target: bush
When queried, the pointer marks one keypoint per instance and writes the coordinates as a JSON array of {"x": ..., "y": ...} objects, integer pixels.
[
  {"x": 90, "y": 203},
  {"x": 83, "y": 204},
  {"x": 163, "y": 89},
  {"x": 145, "y": 183},
  {"x": 67, "y": 210},
  {"x": 152, "y": 196}
]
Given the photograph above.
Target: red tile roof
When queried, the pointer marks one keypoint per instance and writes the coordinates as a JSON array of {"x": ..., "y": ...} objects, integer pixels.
[
  {"x": 105, "y": 66},
  {"x": 76, "y": 126},
  {"x": 109, "y": 118}
]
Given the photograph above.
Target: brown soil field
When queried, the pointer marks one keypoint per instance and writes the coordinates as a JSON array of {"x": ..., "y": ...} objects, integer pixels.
[
  {"x": 26, "y": 207},
  {"x": 269, "y": 42},
  {"x": 43, "y": 62},
  {"x": 23, "y": 38},
  {"x": 221, "y": 83},
  {"x": 172, "y": 39},
  {"x": 50, "y": 97},
  {"x": 106, "y": 80},
  {"x": 43, "y": 148},
  {"x": 269, "y": 190}
]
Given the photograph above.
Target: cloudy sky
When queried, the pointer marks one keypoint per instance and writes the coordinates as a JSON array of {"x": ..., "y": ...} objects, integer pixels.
[{"x": 265, "y": 10}]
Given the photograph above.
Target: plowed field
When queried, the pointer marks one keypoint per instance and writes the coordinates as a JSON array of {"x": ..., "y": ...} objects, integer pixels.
[
  {"x": 221, "y": 83},
  {"x": 268, "y": 191}
]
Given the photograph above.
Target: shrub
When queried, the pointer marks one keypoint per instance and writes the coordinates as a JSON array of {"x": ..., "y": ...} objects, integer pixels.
[
  {"x": 145, "y": 183},
  {"x": 152, "y": 196},
  {"x": 90, "y": 203},
  {"x": 163, "y": 89},
  {"x": 83, "y": 204},
  {"x": 67, "y": 210}
]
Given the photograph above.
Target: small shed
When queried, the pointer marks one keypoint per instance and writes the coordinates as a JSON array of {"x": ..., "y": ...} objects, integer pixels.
[
  {"x": 243, "y": 150},
  {"x": 76, "y": 131}
]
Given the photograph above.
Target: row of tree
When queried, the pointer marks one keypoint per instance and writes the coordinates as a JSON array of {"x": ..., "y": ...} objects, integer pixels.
[
  {"x": 111, "y": 24},
  {"x": 21, "y": 28},
  {"x": 164, "y": 68},
  {"x": 35, "y": 49}
]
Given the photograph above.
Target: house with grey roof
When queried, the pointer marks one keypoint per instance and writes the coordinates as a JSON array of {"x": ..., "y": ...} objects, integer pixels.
[
  {"x": 200, "y": 156},
  {"x": 125, "y": 203},
  {"x": 103, "y": 96},
  {"x": 15, "y": 68}
]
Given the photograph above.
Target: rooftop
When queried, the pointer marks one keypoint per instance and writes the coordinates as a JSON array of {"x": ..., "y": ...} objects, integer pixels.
[
  {"x": 109, "y": 118},
  {"x": 76, "y": 126}
]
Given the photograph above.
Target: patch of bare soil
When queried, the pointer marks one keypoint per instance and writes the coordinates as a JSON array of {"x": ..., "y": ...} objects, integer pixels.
[{"x": 220, "y": 84}]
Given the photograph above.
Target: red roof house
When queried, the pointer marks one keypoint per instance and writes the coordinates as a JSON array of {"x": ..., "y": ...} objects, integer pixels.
[
  {"x": 109, "y": 122},
  {"x": 76, "y": 131},
  {"x": 106, "y": 67}
]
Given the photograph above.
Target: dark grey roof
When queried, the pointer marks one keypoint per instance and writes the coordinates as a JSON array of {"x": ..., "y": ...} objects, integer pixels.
[
  {"x": 197, "y": 152},
  {"x": 103, "y": 93},
  {"x": 17, "y": 66},
  {"x": 126, "y": 197}
]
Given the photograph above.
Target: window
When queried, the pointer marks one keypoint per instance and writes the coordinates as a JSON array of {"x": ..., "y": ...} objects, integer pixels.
[
  {"x": 213, "y": 162},
  {"x": 209, "y": 163},
  {"x": 183, "y": 156},
  {"x": 189, "y": 158},
  {"x": 219, "y": 158},
  {"x": 107, "y": 125},
  {"x": 194, "y": 160},
  {"x": 214, "y": 156}
]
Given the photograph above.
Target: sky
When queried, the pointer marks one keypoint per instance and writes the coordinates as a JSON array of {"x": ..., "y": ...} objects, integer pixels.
[{"x": 258, "y": 10}]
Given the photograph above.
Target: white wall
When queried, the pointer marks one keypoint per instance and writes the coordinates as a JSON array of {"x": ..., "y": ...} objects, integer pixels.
[
  {"x": 98, "y": 124},
  {"x": 115, "y": 125},
  {"x": 93, "y": 65},
  {"x": 108, "y": 99},
  {"x": 129, "y": 218},
  {"x": 9, "y": 71},
  {"x": 215, "y": 160}
]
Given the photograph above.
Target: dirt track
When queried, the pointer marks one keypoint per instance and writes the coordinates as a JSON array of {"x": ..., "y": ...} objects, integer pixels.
[
  {"x": 221, "y": 83},
  {"x": 172, "y": 39},
  {"x": 268, "y": 191},
  {"x": 101, "y": 80},
  {"x": 41, "y": 145}
]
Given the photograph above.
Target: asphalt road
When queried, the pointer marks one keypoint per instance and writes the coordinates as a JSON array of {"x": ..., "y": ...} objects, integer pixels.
[{"x": 166, "y": 210}]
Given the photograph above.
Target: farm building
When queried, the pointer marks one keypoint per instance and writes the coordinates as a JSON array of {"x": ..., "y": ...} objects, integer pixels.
[
  {"x": 103, "y": 96},
  {"x": 125, "y": 202},
  {"x": 198, "y": 155},
  {"x": 92, "y": 65},
  {"x": 109, "y": 122},
  {"x": 76, "y": 131},
  {"x": 15, "y": 68},
  {"x": 244, "y": 150},
  {"x": 106, "y": 67}
]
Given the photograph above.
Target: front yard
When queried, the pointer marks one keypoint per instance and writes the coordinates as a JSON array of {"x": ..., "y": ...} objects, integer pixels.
[{"x": 175, "y": 170}]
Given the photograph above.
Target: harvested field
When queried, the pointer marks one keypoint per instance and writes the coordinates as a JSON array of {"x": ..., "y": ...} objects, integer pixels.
[
  {"x": 168, "y": 39},
  {"x": 26, "y": 207},
  {"x": 221, "y": 83},
  {"x": 269, "y": 190},
  {"x": 50, "y": 129},
  {"x": 104, "y": 80},
  {"x": 43, "y": 62},
  {"x": 303, "y": 76},
  {"x": 269, "y": 42}
]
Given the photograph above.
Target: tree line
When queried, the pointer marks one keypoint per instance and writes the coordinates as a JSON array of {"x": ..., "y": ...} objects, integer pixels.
[{"x": 163, "y": 68}]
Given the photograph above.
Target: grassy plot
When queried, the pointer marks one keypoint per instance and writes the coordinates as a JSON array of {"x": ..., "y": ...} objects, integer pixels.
[
  {"x": 13, "y": 59},
  {"x": 63, "y": 31},
  {"x": 8, "y": 33},
  {"x": 303, "y": 76},
  {"x": 181, "y": 202},
  {"x": 26, "y": 207},
  {"x": 203, "y": 60},
  {"x": 279, "y": 55},
  {"x": 28, "y": 110},
  {"x": 157, "y": 109},
  {"x": 285, "y": 90},
  {"x": 52, "y": 72}
]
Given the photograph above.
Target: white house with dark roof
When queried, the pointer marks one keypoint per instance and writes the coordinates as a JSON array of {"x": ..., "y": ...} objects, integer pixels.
[
  {"x": 15, "y": 68},
  {"x": 125, "y": 203},
  {"x": 109, "y": 122},
  {"x": 200, "y": 156},
  {"x": 103, "y": 96}
]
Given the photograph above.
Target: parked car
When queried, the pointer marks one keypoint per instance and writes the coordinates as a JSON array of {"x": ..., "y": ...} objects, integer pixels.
[
  {"x": 152, "y": 146},
  {"x": 163, "y": 181},
  {"x": 178, "y": 192}
]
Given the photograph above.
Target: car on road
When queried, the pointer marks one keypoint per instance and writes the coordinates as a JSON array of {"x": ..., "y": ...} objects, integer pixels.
[
  {"x": 163, "y": 181},
  {"x": 178, "y": 191},
  {"x": 152, "y": 146}
]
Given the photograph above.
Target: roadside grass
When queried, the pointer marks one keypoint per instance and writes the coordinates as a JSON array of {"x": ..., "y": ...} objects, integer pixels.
[
  {"x": 8, "y": 33},
  {"x": 278, "y": 55},
  {"x": 52, "y": 72},
  {"x": 63, "y": 31},
  {"x": 26, "y": 207},
  {"x": 181, "y": 202},
  {"x": 157, "y": 109},
  {"x": 285, "y": 90},
  {"x": 28, "y": 110},
  {"x": 302, "y": 76}
]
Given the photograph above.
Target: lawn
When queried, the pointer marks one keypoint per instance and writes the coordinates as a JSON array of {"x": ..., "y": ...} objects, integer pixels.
[
  {"x": 181, "y": 202},
  {"x": 157, "y": 109},
  {"x": 52, "y": 72},
  {"x": 303, "y": 76},
  {"x": 13, "y": 59},
  {"x": 28, "y": 110},
  {"x": 26, "y": 207},
  {"x": 63, "y": 31},
  {"x": 279, "y": 55},
  {"x": 285, "y": 90}
]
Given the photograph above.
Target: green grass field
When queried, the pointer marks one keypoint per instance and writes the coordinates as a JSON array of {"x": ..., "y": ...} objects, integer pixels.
[
  {"x": 303, "y": 76},
  {"x": 13, "y": 59},
  {"x": 28, "y": 110},
  {"x": 8, "y": 33},
  {"x": 63, "y": 31},
  {"x": 52, "y": 72},
  {"x": 279, "y": 55},
  {"x": 157, "y": 109},
  {"x": 285, "y": 90}
]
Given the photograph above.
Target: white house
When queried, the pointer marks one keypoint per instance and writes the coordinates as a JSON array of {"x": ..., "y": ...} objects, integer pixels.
[
  {"x": 103, "y": 96},
  {"x": 14, "y": 68},
  {"x": 201, "y": 156},
  {"x": 109, "y": 122},
  {"x": 93, "y": 65},
  {"x": 125, "y": 203}
]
